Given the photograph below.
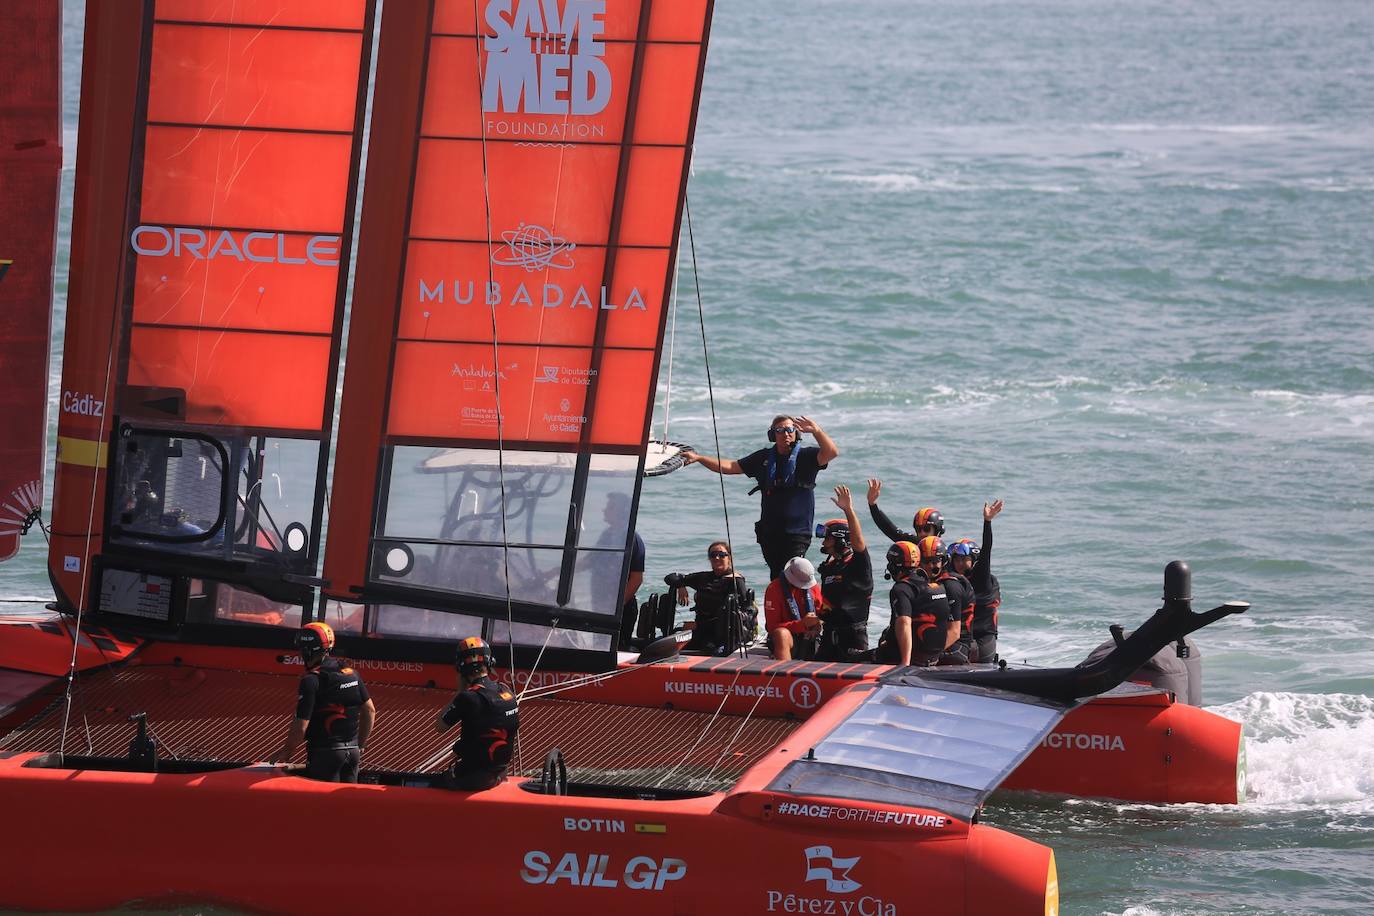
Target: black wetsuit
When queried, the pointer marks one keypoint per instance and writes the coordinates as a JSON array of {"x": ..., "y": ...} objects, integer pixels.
[
  {"x": 959, "y": 590},
  {"x": 847, "y": 586},
  {"x": 709, "y": 633},
  {"x": 928, "y": 607},
  {"x": 330, "y": 699},
  {"x": 988, "y": 598},
  {"x": 487, "y": 713},
  {"x": 889, "y": 528},
  {"x": 787, "y": 509}
]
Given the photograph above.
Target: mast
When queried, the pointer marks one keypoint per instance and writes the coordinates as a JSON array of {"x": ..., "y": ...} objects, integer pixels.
[{"x": 517, "y": 243}]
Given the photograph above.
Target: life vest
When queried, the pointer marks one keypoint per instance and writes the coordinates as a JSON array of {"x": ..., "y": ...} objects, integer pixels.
[
  {"x": 985, "y": 609},
  {"x": 961, "y": 600},
  {"x": 794, "y": 609},
  {"x": 851, "y": 600},
  {"x": 338, "y": 701},
  {"x": 771, "y": 479},
  {"x": 927, "y": 627},
  {"x": 488, "y": 735}
]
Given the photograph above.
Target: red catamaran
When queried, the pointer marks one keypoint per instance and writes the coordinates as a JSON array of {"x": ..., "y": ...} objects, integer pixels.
[{"x": 524, "y": 184}]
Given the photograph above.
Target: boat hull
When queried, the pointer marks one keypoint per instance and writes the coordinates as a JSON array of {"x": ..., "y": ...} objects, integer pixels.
[{"x": 197, "y": 836}]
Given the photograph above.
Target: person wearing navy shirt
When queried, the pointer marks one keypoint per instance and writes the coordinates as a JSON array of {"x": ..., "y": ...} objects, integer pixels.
[{"x": 785, "y": 473}]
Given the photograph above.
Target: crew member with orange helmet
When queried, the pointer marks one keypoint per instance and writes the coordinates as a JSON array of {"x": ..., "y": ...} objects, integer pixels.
[
  {"x": 334, "y": 714},
  {"x": 489, "y": 716},
  {"x": 792, "y": 608},
  {"x": 846, "y": 582},
  {"x": 785, "y": 472},
  {"x": 922, "y": 626},
  {"x": 927, "y": 522}
]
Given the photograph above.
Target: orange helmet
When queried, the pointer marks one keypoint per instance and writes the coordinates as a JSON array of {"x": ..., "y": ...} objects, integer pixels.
[
  {"x": 932, "y": 549},
  {"x": 473, "y": 653},
  {"x": 929, "y": 516},
  {"x": 902, "y": 555},
  {"x": 317, "y": 637}
]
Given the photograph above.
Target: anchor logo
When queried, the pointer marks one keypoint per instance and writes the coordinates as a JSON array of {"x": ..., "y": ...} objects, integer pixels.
[{"x": 804, "y": 693}]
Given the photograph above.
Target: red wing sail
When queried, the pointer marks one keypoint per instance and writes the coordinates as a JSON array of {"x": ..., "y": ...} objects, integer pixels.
[
  {"x": 517, "y": 243},
  {"x": 30, "y": 167},
  {"x": 208, "y": 304}
]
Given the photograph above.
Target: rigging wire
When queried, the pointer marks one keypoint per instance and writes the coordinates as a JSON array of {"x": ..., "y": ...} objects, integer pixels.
[
  {"x": 729, "y": 692},
  {"x": 706, "y": 780},
  {"x": 672, "y": 343},
  {"x": 85, "y": 558},
  {"x": 706, "y": 356},
  {"x": 495, "y": 354},
  {"x": 530, "y": 677}
]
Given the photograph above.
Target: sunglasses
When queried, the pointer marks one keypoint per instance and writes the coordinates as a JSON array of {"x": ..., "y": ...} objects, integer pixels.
[
  {"x": 717, "y": 554},
  {"x": 783, "y": 430}
]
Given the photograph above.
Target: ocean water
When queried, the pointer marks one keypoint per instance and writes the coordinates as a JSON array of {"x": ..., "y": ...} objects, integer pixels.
[{"x": 1113, "y": 263}]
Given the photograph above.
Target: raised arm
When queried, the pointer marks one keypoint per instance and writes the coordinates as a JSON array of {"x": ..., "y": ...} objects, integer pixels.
[
  {"x": 880, "y": 518},
  {"x": 829, "y": 450},
  {"x": 990, "y": 511},
  {"x": 845, "y": 501}
]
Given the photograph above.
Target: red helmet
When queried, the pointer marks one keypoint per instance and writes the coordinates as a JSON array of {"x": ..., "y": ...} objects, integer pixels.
[{"x": 929, "y": 516}]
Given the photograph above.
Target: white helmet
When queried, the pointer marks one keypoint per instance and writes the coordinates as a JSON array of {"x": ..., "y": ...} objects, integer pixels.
[{"x": 800, "y": 572}]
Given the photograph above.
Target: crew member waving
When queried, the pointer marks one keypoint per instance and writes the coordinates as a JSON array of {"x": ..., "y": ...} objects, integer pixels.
[{"x": 846, "y": 582}]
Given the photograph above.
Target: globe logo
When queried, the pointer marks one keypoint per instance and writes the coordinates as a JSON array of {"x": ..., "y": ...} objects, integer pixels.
[{"x": 534, "y": 248}]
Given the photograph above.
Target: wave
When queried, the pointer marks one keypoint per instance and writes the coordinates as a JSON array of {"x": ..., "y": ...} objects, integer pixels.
[
  {"x": 902, "y": 182},
  {"x": 1308, "y": 750}
]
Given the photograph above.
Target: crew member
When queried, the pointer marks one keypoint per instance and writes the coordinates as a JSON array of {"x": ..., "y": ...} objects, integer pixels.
[
  {"x": 961, "y": 604},
  {"x": 489, "y": 717},
  {"x": 921, "y": 627},
  {"x": 785, "y": 472},
  {"x": 928, "y": 522},
  {"x": 846, "y": 582},
  {"x": 716, "y": 588},
  {"x": 987, "y": 592},
  {"x": 792, "y": 608},
  {"x": 629, "y": 607},
  {"x": 334, "y": 714}
]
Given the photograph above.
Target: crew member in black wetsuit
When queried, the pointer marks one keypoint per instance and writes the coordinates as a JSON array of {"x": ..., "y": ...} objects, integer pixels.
[
  {"x": 921, "y": 627},
  {"x": 846, "y": 582},
  {"x": 786, "y": 473},
  {"x": 713, "y": 588},
  {"x": 961, "y": 603},
  {"x": 489, "y": 717},
  {"x": 927, "y": 522},
  {"x": 976, "y": 563},
  {"x": 334, "y": 714}
]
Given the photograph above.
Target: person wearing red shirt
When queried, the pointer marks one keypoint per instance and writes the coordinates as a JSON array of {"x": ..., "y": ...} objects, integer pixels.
[{"x": 792, "y": 608}]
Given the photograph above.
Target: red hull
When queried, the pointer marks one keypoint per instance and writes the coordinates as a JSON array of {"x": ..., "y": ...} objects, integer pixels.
[{"x": 424, "y": 849}]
